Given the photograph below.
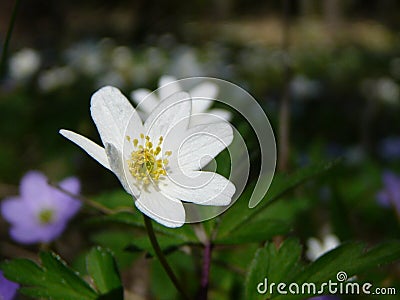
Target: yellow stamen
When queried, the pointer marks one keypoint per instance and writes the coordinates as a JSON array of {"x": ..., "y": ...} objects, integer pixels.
[
  {"x": 46, "y": 216},
  {"x": 144, "y": 164}
]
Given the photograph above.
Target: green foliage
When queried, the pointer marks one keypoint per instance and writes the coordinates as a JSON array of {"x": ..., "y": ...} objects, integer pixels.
[
  {"x": 53, "y": 279},
  {"x": 255, "y": 231},
  {"x": 273, "y": 264},
  {"x": 102, "y": 269},
  {"x": 282, "y": 265},
  {"x": 240, "y": 224}
]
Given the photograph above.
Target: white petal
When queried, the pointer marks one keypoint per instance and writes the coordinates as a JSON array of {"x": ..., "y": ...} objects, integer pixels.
[
  {"x": 166, "y": 211},
  {"x": 314, "y": 249},
  {"x": 116, "y": 161},
  {"x": 203, "y": 96},
  {"x": 167, "y": 86},
  {"x": 211, "y": 116},
  {"x": 111, "y": 112},
  {"x": 205, "y": 188},
  {"x": 202, "y": 144},
  {"x": 145, "y": 100},
  {"x": 221, "y": 113},
  {"x": 330, "y": 242},
  {"x": 91, "y": 148},
  {"x": 171, "y": 112}
]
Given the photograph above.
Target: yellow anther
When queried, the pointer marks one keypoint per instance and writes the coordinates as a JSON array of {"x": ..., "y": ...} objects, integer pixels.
[
  {"x": 128, "y": 138},
  {"x": 144, "y": 164}
]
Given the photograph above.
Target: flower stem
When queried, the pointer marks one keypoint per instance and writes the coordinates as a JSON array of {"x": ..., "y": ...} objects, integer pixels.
[
  {"x": 284, "y": 109},
  {"x": 8, "y": 38},
  {"x": 203, "y": 295},
  {"x": 100, "y": 207},
  {"x": 161, "y": 257}
]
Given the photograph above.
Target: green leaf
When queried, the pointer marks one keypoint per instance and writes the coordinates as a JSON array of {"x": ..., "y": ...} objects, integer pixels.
[
  {"x": 115, "y": 199},
  {"x": 55, "y": 266},
  {"x": 240, "y": 214},
  {"x": 53, "y": 280},
  {"x": 282, "y": 266},
  {"x": 273, "y": 265},
  {"x": 255, "y": 231},
  {"x": 117, "y": 240},
  {"x": 351, "y": 258},
  {"x": 102, "y": 268},
  {"x": 23, "y": 271},
  {"x": 167, "y": 244},
  {"x": 184, "y": 233}
]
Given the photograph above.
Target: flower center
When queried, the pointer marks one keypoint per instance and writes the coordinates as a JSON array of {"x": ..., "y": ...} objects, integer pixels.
[
  {"x": 145, "y": 163},
  {"x": 46, "y": 216}
]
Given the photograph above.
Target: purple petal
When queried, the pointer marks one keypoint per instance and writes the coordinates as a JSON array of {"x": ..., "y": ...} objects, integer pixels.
[
  {"x": 390, "y": 148},
  {"x": 50, "y": 232},
  {"x": 35, "y": 191},
  {"x": 390, "y": 180},
  {"x": 24, "y": 234},
  {"x": 392, "y": 188},
  {"x": 14, "y": 210},
  {"x": 37, "y": 233},
  {"x": 71, "y": 184},
  {"x": 383, "y": 199},
  {"x": 65, "y": 205},
  {"x": 8, "y": 289}
]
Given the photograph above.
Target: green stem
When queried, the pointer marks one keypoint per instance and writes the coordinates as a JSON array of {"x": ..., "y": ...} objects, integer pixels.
[
  {"x": 8, "y": 38},
  {"x": 161, "y": 257},
  {"x": 100, "y": 207}
]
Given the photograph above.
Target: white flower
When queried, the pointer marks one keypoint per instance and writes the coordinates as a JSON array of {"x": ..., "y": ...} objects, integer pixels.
[
  {"x": 303, "y": 88},
  {"x": 202, "y": 95},
  {"x": 158, "y": 162},
  {"x": 24, "y": 64},
  {"x": 387, "y": 90},
  {"x": 55, "y": 78},
  {"x": 317, "y": 248},
  {"x": 185, "y": 63}
]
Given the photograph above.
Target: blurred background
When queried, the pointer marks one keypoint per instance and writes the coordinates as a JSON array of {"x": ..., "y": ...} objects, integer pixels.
[{"x": 327, "y": 74}]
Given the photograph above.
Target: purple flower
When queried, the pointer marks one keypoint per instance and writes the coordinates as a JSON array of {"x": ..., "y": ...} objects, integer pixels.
[
  {"x": 390, "y": 194},
  {"x": 8, "y": 289},
  {"x": 390, "y": 148},
  {"x": 41, "y": 212}
]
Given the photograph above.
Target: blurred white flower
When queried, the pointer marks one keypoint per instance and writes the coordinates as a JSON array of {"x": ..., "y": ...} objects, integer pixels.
[
  {"x": 203, "y": 96},
  {"x": 301, "y": 87},
  {"x": 121, "y": 58},
  {"x": 24, "y": 63},
  {"x": 387, "y": 90},
  {"x": 87, "y": 58},
  {"x": 156, "y": 59},
  {"x": 55, "y": 78},
  {"x": 395, "y": 67},
  {"x": 111, "y": 77},
  {"x": 384, "y": 89},
  {"x": 317, "y": 248},
  {"x": 185, "y": 63}
]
